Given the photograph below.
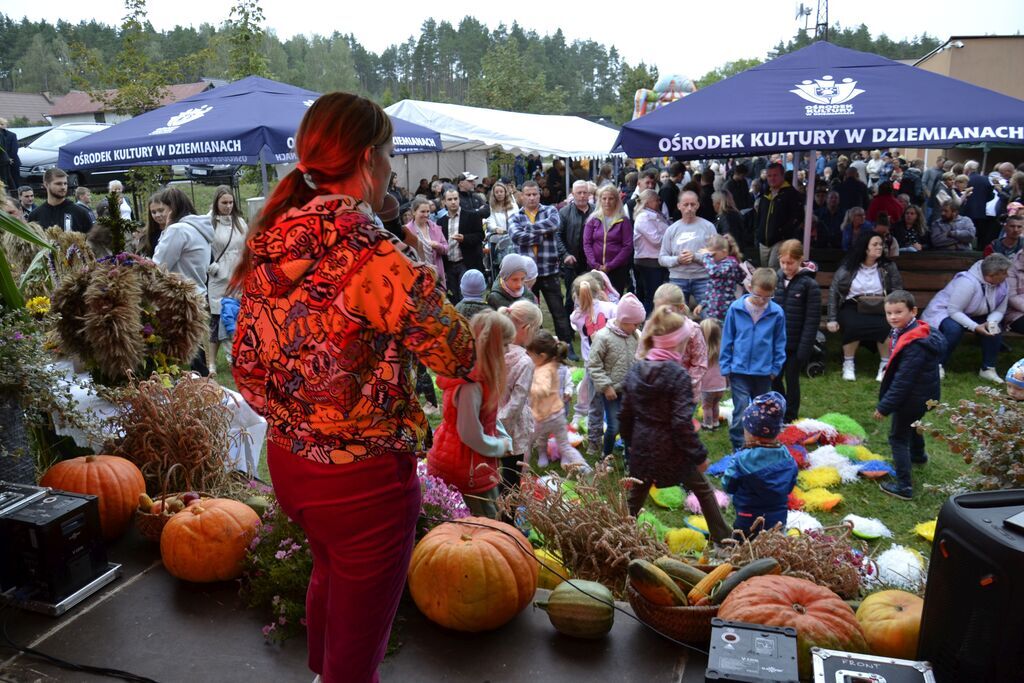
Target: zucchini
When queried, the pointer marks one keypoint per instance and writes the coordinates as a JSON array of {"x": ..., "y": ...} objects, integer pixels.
[
  {"x": 685, "y": 575},
  {"x": 655, "y": 585},
  {"x": 761, "y": 567}
]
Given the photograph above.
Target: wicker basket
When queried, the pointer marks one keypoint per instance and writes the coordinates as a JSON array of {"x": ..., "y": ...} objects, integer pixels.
[
  {"x": 688, "y": 624},
  {"x": 150, "y": 525}
]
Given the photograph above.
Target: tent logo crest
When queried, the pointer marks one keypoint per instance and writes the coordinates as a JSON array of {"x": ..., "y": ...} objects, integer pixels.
[
  {"x": 827, "y": 97},
  {"x": 181, "y": 118}
]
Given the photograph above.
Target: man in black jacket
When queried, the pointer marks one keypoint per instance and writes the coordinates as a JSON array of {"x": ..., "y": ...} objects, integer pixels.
[
  {"x": 58, "y": 210},
  {"x": 469, "y": 199},
  {"x": 10, "y": 171},
  {"x": 669, "y": 192},
  {"x": 574, "y": 216},
  {"x": 740, "y": 188},
  {"x": 852, "y": 192},
  {"x": 780, "y": 215},
  {"x": 706, "y": 210},
  {"x": 464, "y": 231}
]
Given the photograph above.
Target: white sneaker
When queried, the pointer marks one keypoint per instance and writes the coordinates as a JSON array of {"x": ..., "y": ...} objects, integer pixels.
[
  {"x": 942, "y": 373},
  {"x": 881, "y": 371},
  {"x": 990, "y": 375},
  {"x": 848, "y": 372}
]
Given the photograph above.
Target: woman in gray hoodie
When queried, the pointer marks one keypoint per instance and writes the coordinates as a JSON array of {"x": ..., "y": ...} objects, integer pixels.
[
  {"x": 974, "y": 300},
  {"x": 184, "y": 247}
]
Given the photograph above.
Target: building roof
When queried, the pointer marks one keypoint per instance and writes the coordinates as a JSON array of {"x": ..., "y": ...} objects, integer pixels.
[
  {"x": 953, "y": 39},
  {"x": 32, "y": 106},
  {"x": 78, "y": 102}
]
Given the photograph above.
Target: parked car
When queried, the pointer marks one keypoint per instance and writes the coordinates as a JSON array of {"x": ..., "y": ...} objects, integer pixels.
[
  {"x": 213, "y": 174},
  {"x": 41, "y": 154}
]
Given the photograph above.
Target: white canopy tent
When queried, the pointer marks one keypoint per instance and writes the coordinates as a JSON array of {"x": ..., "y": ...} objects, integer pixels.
[{"x": 469, "y": 133}]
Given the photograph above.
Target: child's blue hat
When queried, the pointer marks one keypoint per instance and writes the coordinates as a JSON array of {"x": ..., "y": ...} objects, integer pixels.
[{"x": 764, "y": 416}]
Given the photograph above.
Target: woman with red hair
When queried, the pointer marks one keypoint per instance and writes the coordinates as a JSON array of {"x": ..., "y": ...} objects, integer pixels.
[{"x": 333, "y": 318}]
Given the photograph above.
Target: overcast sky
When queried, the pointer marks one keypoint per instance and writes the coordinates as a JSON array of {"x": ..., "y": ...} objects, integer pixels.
[{"x": 676, "y": 38}]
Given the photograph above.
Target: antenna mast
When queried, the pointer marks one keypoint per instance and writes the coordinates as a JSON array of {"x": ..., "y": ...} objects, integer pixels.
[{"x": 821, "y": 21}]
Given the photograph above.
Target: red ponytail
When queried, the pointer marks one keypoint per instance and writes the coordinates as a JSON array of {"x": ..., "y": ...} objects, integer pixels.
[{"x": 330, "y": 144}]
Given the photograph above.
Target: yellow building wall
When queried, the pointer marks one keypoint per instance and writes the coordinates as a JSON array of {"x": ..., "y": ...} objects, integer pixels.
[{"x": 991, "y": 63}]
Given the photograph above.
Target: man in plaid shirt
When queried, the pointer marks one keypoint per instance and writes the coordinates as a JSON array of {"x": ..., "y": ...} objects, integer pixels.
[{"x": 534, "y": 231}]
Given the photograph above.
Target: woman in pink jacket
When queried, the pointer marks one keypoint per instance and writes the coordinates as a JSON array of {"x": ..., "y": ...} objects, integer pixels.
[
  {"x": 608, "y": 238},
  {"x": 426, "y": 237}
]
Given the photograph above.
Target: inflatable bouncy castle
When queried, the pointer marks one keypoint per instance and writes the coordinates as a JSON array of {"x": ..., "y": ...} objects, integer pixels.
[{"x": 668, "y": 89}]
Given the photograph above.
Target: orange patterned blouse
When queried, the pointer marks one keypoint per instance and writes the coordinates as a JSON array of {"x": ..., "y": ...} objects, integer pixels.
[{"x": 332, "y": 320}]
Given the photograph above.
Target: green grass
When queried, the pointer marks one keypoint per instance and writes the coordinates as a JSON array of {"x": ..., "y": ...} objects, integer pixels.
[{"x": 829, "y": 393}]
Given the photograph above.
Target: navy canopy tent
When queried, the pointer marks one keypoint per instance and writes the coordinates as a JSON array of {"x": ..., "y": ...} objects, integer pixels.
[
  {"x": 825, "y": 97},
  {"x": 249, "y": 121}
]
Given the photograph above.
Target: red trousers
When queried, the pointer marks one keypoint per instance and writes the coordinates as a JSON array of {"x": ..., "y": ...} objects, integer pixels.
[{"x": 360, "y": 520}]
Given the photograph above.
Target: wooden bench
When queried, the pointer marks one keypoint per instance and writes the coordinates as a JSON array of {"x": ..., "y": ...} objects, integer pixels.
[{"x": 924, "y": 273}]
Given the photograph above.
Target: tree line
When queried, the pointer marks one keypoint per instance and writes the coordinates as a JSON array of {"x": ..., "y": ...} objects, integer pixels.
[{"x": 507, "y": 67}]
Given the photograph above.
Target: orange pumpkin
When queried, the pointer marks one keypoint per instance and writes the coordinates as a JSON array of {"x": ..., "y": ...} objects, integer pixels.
[
  {"x": 472, "y": 578},
  {"x": 891, "y": 621},
  {"x": 116, "y": 482},
  {"x": 820, "y": 617},
  {"x": 207, "y": 541}
]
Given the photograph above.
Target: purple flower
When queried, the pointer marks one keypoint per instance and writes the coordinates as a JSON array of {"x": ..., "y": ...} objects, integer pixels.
[
  {"x": 147, "y": 330},
  {"x": 268, "y": 629},
  {"x": 281, "y": 554},
  {"x": 18, "y": 336}
]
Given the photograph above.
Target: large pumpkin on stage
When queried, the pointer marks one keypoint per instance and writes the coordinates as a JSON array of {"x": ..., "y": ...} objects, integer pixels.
[
  {"x": 207, "y": 540},
  {"x": 820, "y": 617},
  {"x": 891, "y": 621},
  {"x": 114, "y": 481},
  {"x": 474, "y": 574}
]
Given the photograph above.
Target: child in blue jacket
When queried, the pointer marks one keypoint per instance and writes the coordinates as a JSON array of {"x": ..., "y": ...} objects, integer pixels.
[
  {"x": 753, "y": 347},
  {"x": 763, "y": 473}
]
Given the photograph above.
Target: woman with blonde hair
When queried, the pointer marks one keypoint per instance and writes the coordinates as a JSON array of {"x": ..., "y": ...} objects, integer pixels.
[
  {"x": 498, "y": 243},
  {"x": 317, "y": 354},
  {"x": 608, "y": 238}
]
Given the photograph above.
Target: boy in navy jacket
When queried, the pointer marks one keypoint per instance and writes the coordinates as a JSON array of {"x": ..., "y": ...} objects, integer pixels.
[
  {"x": 753, "y": 347},
  {"x": 911, "y": 379},
  {"x": 763, "y": 473}
]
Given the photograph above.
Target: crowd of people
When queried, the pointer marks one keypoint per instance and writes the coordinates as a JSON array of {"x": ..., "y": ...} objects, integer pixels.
[
  {"x": 654, "y": 225},
  {"x": 668, "y": 286}
]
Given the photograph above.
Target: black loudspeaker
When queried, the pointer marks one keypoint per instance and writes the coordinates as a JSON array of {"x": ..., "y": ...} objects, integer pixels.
[
  {"x": 973, "y": 623},
  {"x": 56, "y": 545}
]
